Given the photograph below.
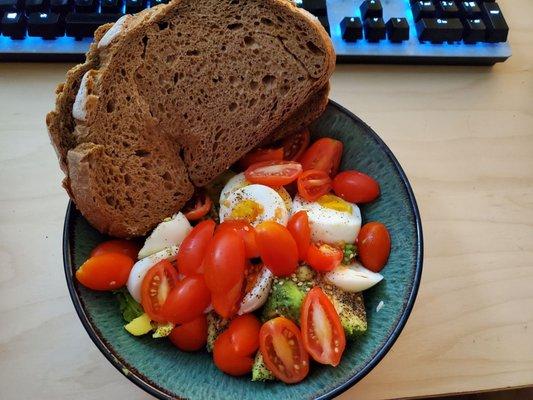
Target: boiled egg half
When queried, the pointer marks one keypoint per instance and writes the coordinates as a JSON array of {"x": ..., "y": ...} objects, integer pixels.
[
  {"x": 331, "y": 219},
  {"x": 170, "y": 232},
  {"x": 255, "y": 204},
  {"x": 353, "y": 277}
]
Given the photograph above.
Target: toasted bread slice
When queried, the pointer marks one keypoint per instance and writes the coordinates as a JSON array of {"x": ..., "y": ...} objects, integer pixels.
[{"x": 166, "y": 89}]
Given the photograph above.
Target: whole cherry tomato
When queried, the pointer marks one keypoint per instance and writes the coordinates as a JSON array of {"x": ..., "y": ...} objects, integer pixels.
[
  {"x": 261, "y": 155},
  {"x": 324, "y": 257},
  {"x": 126, "y": 247},
  {"x": 277, "y": 248},
  {"x": 227, "y": 360},
  {"x": 193, "y": 248},
  {"x": 374, "y": 244},
  {"x": 108, "y": 271},
  {"x": 325, "y": 155},
  {"x": 246, "y": 231},
  {"x": 298, "y": 226},
  {"x": 355, "y": 187},
  {"x": 187, "y": 300},
  {"x": 191, "y": 336}
]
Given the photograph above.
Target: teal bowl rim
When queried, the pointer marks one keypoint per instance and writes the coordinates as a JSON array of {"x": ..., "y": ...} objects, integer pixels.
[{"x": 152, "y": 387}]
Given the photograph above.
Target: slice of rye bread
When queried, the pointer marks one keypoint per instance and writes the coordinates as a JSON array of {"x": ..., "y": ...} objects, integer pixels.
[{"x": 122, "y": 166}]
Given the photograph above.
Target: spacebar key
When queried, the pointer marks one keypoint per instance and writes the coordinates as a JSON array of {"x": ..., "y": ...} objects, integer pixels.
[{"x": 81, "y": 25}]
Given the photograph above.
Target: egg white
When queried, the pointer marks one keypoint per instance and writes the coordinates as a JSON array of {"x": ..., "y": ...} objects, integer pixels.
[
  {"x": 353, "y": 277},
  {"x": 328, "y": 225},
  {"x": 168, "y": 233},
  {"x": 258, "y": 295},
  {"x": 239, "y": 181},
  {"x": 273, "y": 206}
]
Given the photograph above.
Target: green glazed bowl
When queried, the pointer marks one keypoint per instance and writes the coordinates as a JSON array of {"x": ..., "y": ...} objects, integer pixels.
[{"x": 165, "y": 372}]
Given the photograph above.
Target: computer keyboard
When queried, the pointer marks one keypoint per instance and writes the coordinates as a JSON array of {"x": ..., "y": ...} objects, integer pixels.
[{"x": 385, "y": 31}]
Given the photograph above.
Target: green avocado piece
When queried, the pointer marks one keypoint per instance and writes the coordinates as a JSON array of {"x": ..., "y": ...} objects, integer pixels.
[
  {"x": 285, "y": 300},
  {"x": 215, "y": 326},
  {"x": 260, "y": 372}
]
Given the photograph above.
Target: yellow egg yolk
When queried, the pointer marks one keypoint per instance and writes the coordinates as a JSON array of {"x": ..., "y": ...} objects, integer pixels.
[
  {"x": 334, "y": 203},
  {"x": 247, "y": 209}
]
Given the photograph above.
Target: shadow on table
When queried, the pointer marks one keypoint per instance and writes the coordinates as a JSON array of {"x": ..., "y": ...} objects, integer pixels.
[{"x": 518, "y": 394}]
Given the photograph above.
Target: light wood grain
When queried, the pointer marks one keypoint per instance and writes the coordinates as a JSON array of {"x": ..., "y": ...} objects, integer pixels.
[{"x": 463, "y": 135}]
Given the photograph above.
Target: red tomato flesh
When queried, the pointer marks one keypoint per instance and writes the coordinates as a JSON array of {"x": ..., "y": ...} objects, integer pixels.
[
  {"x": 156, "y": 285},
  {"x": 191, "y": 336},
  {"x": 273, "y": 173},
  {"x": 198, "y": 207},
  {"x": 261, "y": 155},
  {"x": 373, "y": 245},
  {"x": 277, "y": 248},
  {"x": 193, "y": 248},
  {"x": 313, "y": 184},
  {"x": 324, "y": 257},
  {"x": 283, "y": 350},
  {"x": 355, "y": 187},
  {"x": 108, "y": 271},
  {"x": 323, "y": 335},
  {"x": 295, "y": 145}
]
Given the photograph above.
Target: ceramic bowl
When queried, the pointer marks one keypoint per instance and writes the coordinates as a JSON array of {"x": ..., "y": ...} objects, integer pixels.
[{"x": 165, "y": 372}]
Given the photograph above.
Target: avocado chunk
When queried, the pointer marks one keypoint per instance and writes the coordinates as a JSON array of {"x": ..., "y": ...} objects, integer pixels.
[
  {"x": 350, "y": 307},
  {"x": 260, "y": 372},
  {"x": 162, "y": 329},
  {"x": 285, "y": 300},
  {"x": 215, "y": 326},
  {"x": 139, "y": 326}
]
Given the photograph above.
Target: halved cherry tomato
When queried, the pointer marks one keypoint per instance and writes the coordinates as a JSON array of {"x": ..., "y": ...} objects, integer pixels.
[
  {"x": 325, "y": 155},
  {"x": 226, "y": 304},
  {"x": 246, "y": 231},
  {"x": 197, "y": 207},
  {"x": 273, "y": 173},
  {"x": 295, "y": 145},
  {"x": 156, "y": 285},
  {"x": 261, "y": 155},
  {"x": 322, "y": 331},
  {"x": 244, "y": 332},
  {"x": 277, "y": 248},
  {"x": 193, "y": 248},
  {"x": 227, "y": 360},
  {"x": 355, "y": 187},
  {"x": 130, "y": 249},
  {"x": 224, "y": 263},
  {"x": 298, "y": 226},
  {"x": 373, "y": 244},
  {"x": 105, "y": 272},
  {"x": 187, "y": 300},
  {"x": 283, "y": 350},
  {"x": 313, "y": 184},
  {"x": 191, "y": 336},
  {"x": 324, "y": 257}
]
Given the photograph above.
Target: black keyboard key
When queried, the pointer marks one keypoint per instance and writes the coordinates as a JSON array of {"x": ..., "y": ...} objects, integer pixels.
[
  {"x": 10, "y": 5},
  {"x": 371, "y": 9},
  {"x": 397, "y": 30},
  {"x": 47, "y": 25},
  {"x": 439, "y": 30},
  {"x": 111, "y": 6},
  {"x": 133, "y": 6},
  {"x": 80, "y": 25},
  {"x": 14, "y": 24},
  {"x": 325, "y": 23},
  {"x": 497, "y": 28},
  {"x": 375, "y": 29},
  {"x": 423, "y": 9},
  {"x": 315, "y": 7},
  {"x": 351, "y": 29},
  {"x": 474, "y": 31},
  {"x": 61, "y": 6},
  {"x": 154, "y": 3},
  {"x": 469, "y": 9},
  {"x": 85, "y": 6},
  {"x": 32, "y": 6},
  {"x": 447, "y": 9}
]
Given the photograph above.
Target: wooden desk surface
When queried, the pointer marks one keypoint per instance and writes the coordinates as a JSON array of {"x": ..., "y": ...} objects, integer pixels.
[{"x": 463, "y": 135}]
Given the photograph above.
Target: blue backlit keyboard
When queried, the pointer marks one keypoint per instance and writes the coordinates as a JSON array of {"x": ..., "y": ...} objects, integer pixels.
[{"x": 385, "y": 31}]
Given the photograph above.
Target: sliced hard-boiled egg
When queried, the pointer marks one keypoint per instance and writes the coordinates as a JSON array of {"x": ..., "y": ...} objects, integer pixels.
[
  {"x": 168, "y": 233},
  {"x": 331, "y": 219},
  {"x": 257, "y": 295},
  {"x": 255, "y": 204},
  {"x": 239, "y": 181},
  {"x": 353, "y": 277},
  {"x": 141, "y": 267}
]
